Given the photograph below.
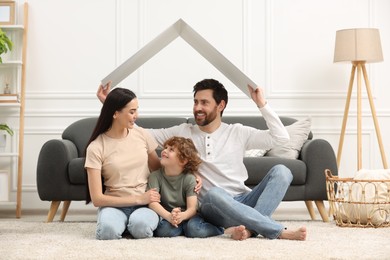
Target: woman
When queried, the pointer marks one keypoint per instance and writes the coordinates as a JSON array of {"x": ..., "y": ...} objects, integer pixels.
[{"x": 119, "y": 158}]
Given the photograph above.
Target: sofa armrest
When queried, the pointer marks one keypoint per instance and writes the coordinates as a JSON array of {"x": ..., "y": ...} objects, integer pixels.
[
  {"x": 52, "y": 169},
  {"x": 318, "y": 155}
]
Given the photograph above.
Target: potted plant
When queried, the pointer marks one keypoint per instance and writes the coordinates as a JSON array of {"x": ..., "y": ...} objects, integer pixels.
[
  {"x": 5, "y": 44},
  {"x": 4, "y": 129}
]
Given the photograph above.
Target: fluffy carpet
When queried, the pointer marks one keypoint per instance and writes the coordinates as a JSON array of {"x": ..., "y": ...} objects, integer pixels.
[{"x": 21, "y": 239}]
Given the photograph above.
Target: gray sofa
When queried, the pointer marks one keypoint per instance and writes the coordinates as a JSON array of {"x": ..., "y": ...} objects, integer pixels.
[{"x": 61, "y": 176}]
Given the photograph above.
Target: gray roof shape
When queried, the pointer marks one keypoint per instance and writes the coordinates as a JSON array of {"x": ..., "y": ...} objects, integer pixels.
[{"x": 194, "y": 39}]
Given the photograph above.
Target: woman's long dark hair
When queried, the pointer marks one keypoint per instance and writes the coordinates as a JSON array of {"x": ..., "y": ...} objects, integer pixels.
[{"x": 116, "y": 100}]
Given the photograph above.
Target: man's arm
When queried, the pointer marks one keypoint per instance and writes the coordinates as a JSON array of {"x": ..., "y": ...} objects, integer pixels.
[{"x": 276, "y": 128}]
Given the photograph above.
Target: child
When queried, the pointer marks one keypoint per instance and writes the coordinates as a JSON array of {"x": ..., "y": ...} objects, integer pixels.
[{"x": 176, "y": 182}]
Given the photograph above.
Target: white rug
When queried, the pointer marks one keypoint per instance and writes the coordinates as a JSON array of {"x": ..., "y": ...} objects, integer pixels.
[{"x": 21, "y": 239}]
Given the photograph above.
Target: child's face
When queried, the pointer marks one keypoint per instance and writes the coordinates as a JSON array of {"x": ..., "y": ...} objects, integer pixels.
[{"x": 170, "y": 157}]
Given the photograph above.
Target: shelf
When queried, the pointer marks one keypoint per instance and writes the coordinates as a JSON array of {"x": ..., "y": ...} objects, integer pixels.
[
  {"x": 13, "y": 73},
  {"x": 11, "y": 63},
  {"x": 9, "y": 104},
  {"x": 12, "y": 27},
  {"x": 7, "y": 203},
  {"x": 8, "y": 154}
]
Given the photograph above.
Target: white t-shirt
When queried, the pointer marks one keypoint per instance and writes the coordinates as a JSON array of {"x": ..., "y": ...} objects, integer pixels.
[
  {"x": 222, "y": 151},
  {"x": 123, "y": 162}
]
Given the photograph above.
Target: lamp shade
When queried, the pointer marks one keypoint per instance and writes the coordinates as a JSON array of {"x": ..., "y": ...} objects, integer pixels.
[{"x": 361, "y": 44}]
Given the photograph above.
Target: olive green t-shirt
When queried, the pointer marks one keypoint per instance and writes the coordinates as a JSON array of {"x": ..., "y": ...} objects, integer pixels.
[{"x": 174, "y": 190}]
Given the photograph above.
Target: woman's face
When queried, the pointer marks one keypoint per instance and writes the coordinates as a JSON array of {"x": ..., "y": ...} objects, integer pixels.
[{"x": 128, "y": 115}]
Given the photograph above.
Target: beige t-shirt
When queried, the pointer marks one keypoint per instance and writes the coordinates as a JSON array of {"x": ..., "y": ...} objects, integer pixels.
[{"x": 123, "y": 162}]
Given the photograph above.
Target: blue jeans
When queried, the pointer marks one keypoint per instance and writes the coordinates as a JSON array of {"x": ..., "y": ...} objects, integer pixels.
[
  {"x": 252, "y": 209},
  {"x": 194, "y": 227},
  {"x": 165, "y": 229},
  {"x": 112, "y": 222}
]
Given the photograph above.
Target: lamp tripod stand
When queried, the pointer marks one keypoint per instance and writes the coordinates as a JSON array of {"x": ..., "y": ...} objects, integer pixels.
[{"x": 360, "y": 67}]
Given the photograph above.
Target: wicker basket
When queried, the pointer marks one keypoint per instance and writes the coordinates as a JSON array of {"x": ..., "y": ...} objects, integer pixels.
[{"x": 358, "y": 203}]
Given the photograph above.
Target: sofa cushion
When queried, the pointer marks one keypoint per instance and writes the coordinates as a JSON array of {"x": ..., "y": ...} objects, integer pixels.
[
  {"x": 255, "y": 153},
  {"x": 77, "y": 172},
  {"x": 258, "y": 168},
  {"x": 299, "y": 133}
]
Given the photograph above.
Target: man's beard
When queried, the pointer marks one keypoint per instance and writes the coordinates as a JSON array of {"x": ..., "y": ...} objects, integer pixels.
[{"x": 207, "y": 120}]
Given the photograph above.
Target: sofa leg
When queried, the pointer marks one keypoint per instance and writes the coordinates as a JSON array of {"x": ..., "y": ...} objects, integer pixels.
[
  {"x": 310, "y": 208},
  {"x": 53, "y": 210},
  {"x": 321, "y": 208},
  {"x": 65, "y": 208}
]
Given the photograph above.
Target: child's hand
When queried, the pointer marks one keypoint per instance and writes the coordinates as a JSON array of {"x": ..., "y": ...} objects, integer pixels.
[{"x": 175, "y": 217}]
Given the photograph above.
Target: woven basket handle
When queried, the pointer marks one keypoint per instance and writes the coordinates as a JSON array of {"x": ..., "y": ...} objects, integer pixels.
[{"x": 328, "y": 173}]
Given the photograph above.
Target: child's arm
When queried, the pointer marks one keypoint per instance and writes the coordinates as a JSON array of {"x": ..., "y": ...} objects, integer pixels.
[
  {"x": 192, "y": 202},
  {"x": 156, "y": 206}
]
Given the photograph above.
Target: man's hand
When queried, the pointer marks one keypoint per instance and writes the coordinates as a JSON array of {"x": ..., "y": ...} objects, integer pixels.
[
  {"x": 198, "y": 185},
  {"x": 257, "y": 96},
  {"x": 103, "y": 91}
]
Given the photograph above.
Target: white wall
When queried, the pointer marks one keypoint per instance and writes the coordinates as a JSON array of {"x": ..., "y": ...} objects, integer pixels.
[{"x": 285, "y": 46}]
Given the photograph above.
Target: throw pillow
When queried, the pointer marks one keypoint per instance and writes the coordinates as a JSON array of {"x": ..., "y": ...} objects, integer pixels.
[
  {"x": 298, "y": 131},
  {"x": 255, "y": 153}
]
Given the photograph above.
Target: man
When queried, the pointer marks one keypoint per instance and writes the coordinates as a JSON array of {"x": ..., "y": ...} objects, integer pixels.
[{"x": 225, "y": 200}]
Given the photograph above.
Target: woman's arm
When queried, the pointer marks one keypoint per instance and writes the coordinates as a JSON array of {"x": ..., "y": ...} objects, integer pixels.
[
  {"x": 153, "y": 161},
  {"x": 103, "y": 91},
  {"x": 101, "y": 200}
]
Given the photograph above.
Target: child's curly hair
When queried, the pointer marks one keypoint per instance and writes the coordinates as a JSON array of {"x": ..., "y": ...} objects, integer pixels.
[{"x": 186, "y": 151}]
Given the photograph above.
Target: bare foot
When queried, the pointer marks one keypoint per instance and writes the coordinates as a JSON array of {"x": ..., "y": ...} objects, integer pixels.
[
  {"x": 238, "y": 232},
  {"x": 299, "y": 234}
]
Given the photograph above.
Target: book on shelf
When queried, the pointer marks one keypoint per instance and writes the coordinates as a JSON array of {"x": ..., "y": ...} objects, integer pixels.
[{"x": 9, "y": 98}]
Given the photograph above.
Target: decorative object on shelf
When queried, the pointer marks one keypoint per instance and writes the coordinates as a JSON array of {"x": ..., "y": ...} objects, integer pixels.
[
  {"x": 359, "y": 46},
  {"x": 7, "y": 90},
  {"x": 5, "y": 43},
  {"x": 7, "y": 12}
]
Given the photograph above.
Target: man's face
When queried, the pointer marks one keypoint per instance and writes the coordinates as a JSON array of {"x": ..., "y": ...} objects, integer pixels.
[{"x": 205, "y": 108}]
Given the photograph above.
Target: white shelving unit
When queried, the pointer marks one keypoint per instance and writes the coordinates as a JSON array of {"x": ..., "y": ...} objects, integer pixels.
[{"x": 12, "y": 73}]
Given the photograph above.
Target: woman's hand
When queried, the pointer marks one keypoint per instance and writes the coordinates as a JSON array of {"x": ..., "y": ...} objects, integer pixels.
[
  {"x": 150, "y": 196},
  {"x": 103, "y": 91}
]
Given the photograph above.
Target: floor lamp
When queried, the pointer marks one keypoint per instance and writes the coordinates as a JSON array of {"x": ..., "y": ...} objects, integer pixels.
[{"x": 359, "y": 46}]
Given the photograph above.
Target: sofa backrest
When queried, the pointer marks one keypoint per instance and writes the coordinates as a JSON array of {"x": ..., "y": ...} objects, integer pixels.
[
  {"x": 160, "y": 122},
  {"x": 79, "y": 133},
  {"x": 254, "y": 121}
]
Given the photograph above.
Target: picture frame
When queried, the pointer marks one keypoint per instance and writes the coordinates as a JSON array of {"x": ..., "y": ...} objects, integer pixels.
[{"x": 7, "y": 12}]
